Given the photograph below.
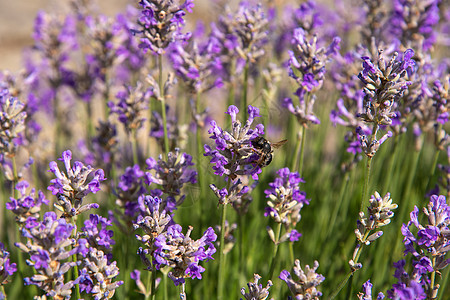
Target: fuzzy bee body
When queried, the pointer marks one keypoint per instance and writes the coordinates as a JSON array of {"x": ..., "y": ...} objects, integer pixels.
[{"x": 264, "y": 149}]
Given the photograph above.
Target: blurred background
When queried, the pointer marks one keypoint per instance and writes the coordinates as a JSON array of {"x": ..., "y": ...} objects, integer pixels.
[{"x": 16, "y": 25}]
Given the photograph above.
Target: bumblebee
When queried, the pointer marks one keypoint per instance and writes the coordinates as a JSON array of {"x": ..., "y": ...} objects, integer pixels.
[{"x": 264, "y": 149}]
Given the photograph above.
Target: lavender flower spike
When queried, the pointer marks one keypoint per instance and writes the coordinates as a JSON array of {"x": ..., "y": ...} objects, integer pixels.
[
  {"x": 49, "y": 246},
  {"x": 6, "y": 267},
  {"x": 234, "y": 152},
  {"x": 12, "y": 123},
  {"x": 431, "y": 240},
  {"x": 161, "y": 22},
  {"x": 305, "y": 286},
  {"x": 367, "y": 295},
  {"x": 182, "y": 253},
  {"x": 71, "y": 187},
  {"x": 97, "y": 275},
  {"x": 256, "y": 291},
  {"x": 27, "y": 207}
]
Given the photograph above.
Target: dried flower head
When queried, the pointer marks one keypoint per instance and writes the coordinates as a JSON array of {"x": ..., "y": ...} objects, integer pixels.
[
  {"x": 171, "y": 175},
  {"x": 6, "y": 267}
]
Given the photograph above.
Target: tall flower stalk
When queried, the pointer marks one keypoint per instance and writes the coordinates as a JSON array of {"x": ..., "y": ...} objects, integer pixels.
[{"x": 234, "y": 156}]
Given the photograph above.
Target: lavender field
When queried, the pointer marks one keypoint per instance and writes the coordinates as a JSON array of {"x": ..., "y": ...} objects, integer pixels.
[{"x": 219, "y": 149}]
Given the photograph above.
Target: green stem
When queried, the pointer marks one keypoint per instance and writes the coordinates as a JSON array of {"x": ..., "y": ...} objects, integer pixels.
[
  {"x": 134, "y": 146},
  {"x": 241, "y": 221},
  {"x": 302, "y": 151},
  {"x": 149, "y": 282},
  {"x": 365, "y": 193},
  {"x": 291, "y": 253},
  {"x": 341, "y": 285},
  {"x": 432, "y": 279},
  {"x": 390, "y": 169},
  {"x": 221, "y": 247},
  {"x": 199, "y": 157},
  {"x": 166, "y": 293},
  {"x": 183, "y": 291},
  {"x": 89, "y": 125},
  {"x": 342, "y": 193},
  {"x": 294, "y": 162},
  {"x": 153, "y": 283},
  {"x": 433, "y": 168},
  {"x": 349, "y": 288},
  {"x": 75, "y": 259},
  {"x": 245, "y": 91},
  {"x": 163, "y": 105},
  {"x": 275, "y": 252}
]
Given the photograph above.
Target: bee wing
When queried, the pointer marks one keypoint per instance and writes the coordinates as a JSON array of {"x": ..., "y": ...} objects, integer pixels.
[{"x": 278, "y": 144}]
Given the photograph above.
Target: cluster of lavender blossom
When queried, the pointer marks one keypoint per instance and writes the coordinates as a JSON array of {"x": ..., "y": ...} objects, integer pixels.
[{"x": 90, "y": 71}]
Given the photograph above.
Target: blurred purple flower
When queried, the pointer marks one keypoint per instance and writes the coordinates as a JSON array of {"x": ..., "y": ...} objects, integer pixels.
[
  {"x": 161, "y": 23},
  {"x": 6, "y": 267},
  {"x": 171, "y": 175}
]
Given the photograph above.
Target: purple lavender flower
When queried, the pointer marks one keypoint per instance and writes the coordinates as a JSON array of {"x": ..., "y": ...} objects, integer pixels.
[
  {"x": 241, "y": 37},
  {"x": 97, "y": 275},
  {"x": 285, "y": 202},
  {"x": 183, "y": 254},
  {"x": 132, "y": 57},
  {"x": 136, "y": 276},
  {"x": 54, "y": 37},
  {"x": 28, "y": 206},
  {"x": 379, "y": 213},
  {"x": 412, "y": 22},
  {"x": 234, "y": 152},
  {"x": 131, "y": 106},
  {"x": 367, "y": 292},
  {"x": 129, "y": 188},
  {"x": 71, "y": 187},
  {"x": 307, "y": 67},
  {"x": 255, "y": 289},
  {"x": 229, "y": 239},
  {"x": 305, "y": 287},
  {"x": 370, "y": 144},
  {"x": 12, "y": 123},
  {"x": 98, "y": 236},
  {"x": 171, "y": 175},
  {"x": 408, "y": 286},
  {"x": 154, "y": 222},
  {"x": 177, "y": 133},
  {"x": 198, "y": 64},
  {"x": 161, "y": 23},
  {"x": 49, "y": 246},
  {"x": 431, "y": 240},
  {"x": 384, "y": 83},
  {"x": 6, "y": 267}
]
